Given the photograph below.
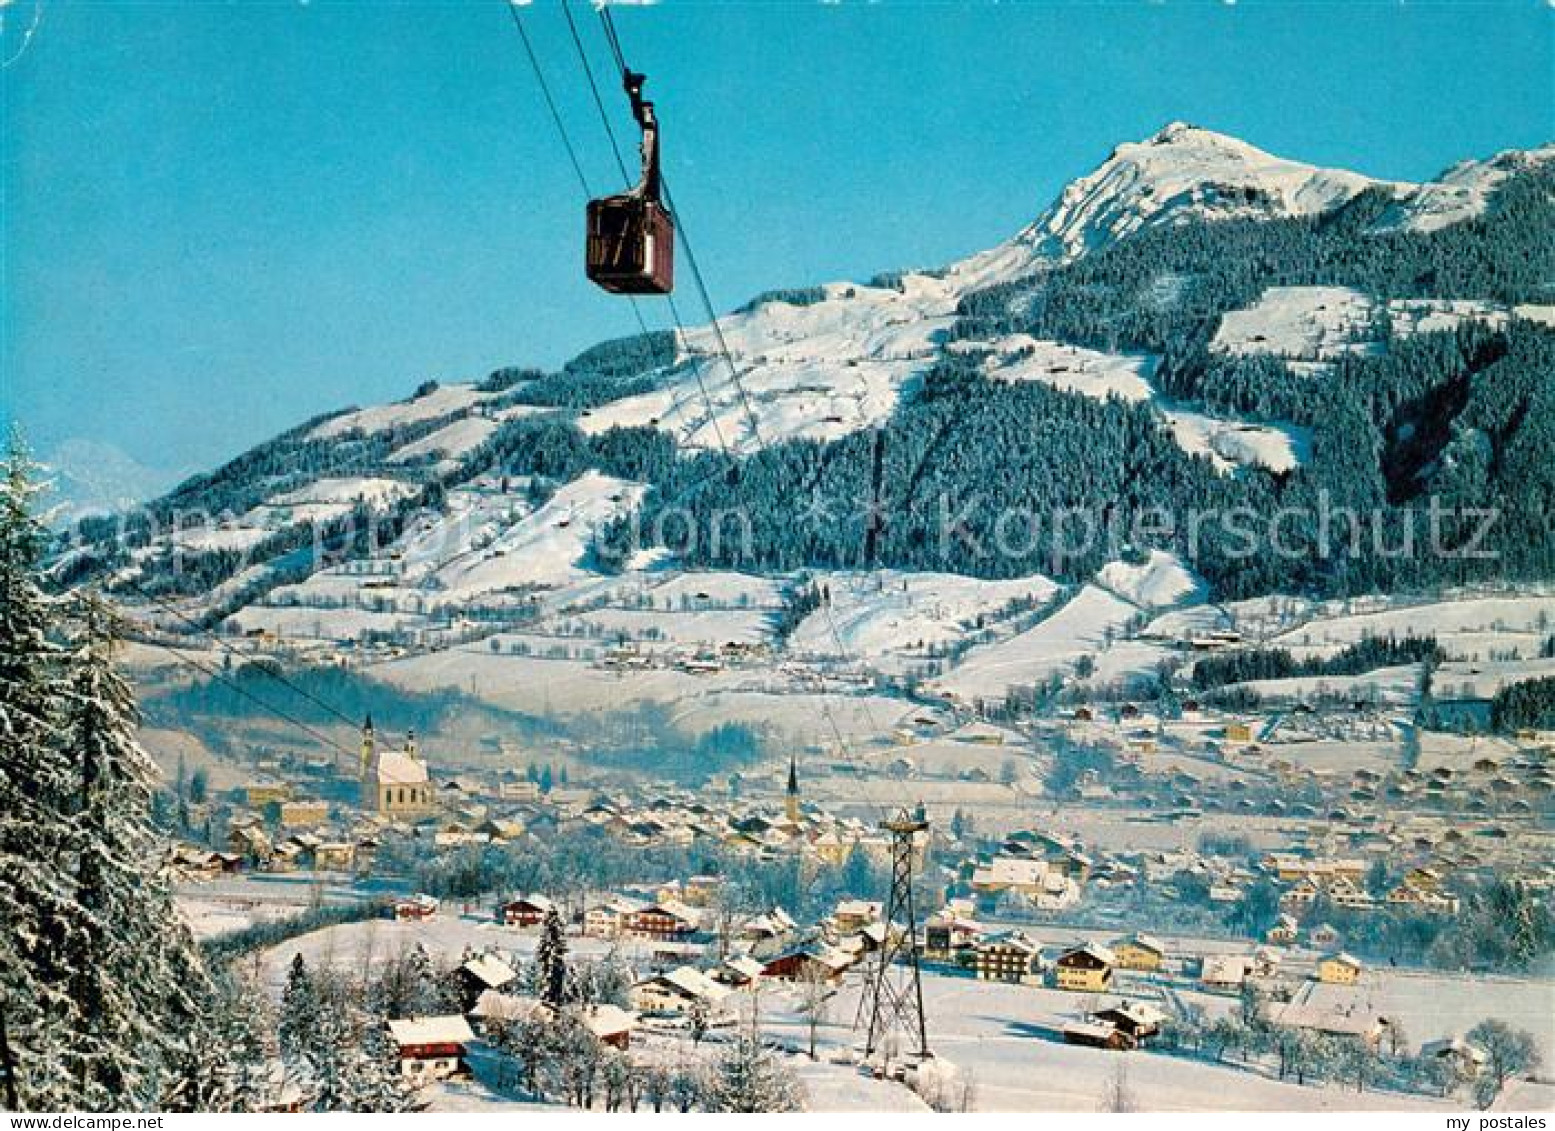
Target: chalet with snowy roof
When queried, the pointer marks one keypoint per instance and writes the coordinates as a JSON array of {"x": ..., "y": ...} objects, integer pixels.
[
  {"x": 945, "y": 935},
  {"x": 1086, "y": 968},
  {"x": 1034, "y": 879},
  {"x": 1352, "y": 1020},
  {"x": 1284, "y": 931},
  {"x": 1011, "y": 956},
  {"x": 610, "y": 1024},
  {"x": 668, "y": 920},
  {"x": 334, "y": 856},
  {"x": 250, "y": 842},
  {"x": 852, "y": 914},
  {"x": 495, "y": 1008},
  {"x": 415, "y": 908},
  {"x": 676, "y": 991},
  {"x": 431, "y": 1048},
  {"x": 480, "y": 973},
  {"x": 1431, "y": 900},
  {"x": 1140, "y": 1020},
  {"x": 1094, "y": 1034},
  {"x": 739, "y": 971},
  {"x": 815, "y": 961},
  {"x": 1339, "y": 969},
  {"x": 607, "y": 919},
  {"x": 774, "y": 925},
  {"x": 525, "y": 911},
  {"x": 1139, "y": 951}
]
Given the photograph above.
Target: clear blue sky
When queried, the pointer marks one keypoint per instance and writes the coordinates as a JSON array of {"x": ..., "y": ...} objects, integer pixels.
[{"x": 223, "y": 218}]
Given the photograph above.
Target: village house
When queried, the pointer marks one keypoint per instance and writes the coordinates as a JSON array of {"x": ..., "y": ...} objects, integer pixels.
[
  {"x": 303, "y": 814},
  {"x": 1339, "y": 969},
  {"x": 1225, "y": 971},
  {"x": 495, "y": 1008},
  {"x": 669, "y": 920},
  {"x": 737, "y": 972},
  {"x": 1094, "y": 1034},
  {"x": 481, "y": 973},
  {"x": 945, "y": 935},
  {"x": 415, "y": 908},
  {"x": 1431, "y": 900},
  {"x": 676, "y": 992},
  {"x": 1324, "y": 935},
  {"x": 1284, "y": 931},
  {"x": 701, "y": 891},
  {"x": 1086, "y": 968},
  {"x": 334, "y": 856},
  {"x": 852, "y": 914},
  {"x": 813, "y": 962},
  {"x": 259, "y": 794},
  {"x": 770, "y": 927},
  {"x": 607, "y": 919},
  {"x": 1350, "y": 1021},
  {"x": 431, "y": 1048},
  {"x": 611, "y": 1025},
  {"x": 1140, "y": 1020},
  {"x": 1009, "y": 957},
  {"x": 1289, "y": 868},
  {"x": 525, "y": 911},
  {"x": 250, "y": 841},
  {"x": 1139, "y": 951}
]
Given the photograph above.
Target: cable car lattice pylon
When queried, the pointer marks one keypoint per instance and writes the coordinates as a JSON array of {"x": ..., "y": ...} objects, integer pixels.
[{"x": 894, "y": 1000}]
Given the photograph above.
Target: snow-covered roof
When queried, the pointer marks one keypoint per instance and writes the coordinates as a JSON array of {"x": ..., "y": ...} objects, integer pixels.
[
  {"x": 450, "y": 1030},
  {"x": 1143, "y": 941},
  {"x": 491, "y": 970},
  {"x": 746, "y": 965},
  {"x": 394, "y": 767},
  {"x": 494, "y": 1005},
  {"x": 608, "y": 1020}
]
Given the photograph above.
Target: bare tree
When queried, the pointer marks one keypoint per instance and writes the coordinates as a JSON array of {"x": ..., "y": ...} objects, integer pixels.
[
  {"x": 1118, "y": 1096},
  {"x": 815, "y": 999}
]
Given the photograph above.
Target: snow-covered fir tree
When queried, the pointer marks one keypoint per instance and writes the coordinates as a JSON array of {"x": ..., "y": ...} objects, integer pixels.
[
  {"x": 37, "y": 790},
  {"x": 140, "y": 990},
  {"x": 551, "y": 959},
  {"x": 748, "y": 1078},
  {"x": 104, "y": 999},
  {"x": 300, "y": 1008}
]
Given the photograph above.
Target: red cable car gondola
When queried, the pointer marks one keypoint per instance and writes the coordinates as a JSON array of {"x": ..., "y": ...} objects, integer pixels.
[{"x": 631, "y": 236}]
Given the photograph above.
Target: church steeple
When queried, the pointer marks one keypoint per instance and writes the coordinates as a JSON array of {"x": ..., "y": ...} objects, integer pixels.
[
  {"x": 791, "y": 801},
  {"x": 369, "y": 739}
]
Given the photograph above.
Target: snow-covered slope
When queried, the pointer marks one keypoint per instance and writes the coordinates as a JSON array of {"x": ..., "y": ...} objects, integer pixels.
[
  {"x": 816, "y": 371},
  {"x": 547, "y": 547},
  {"x": 1461, "y": 193}
]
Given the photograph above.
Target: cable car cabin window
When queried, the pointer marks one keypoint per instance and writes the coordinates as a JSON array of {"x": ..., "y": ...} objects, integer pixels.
[{"x": 631, "y": 245}]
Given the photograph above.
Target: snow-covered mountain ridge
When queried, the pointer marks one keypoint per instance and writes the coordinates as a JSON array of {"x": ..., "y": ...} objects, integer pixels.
[{"x": 832, "y": 361}]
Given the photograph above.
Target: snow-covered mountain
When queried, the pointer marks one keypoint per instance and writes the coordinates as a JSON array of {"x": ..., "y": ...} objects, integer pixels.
[
  {"x": 1183, "y": 172},
  {"x": 837, "y": 362},
  {"x": 831, "y": 361}
]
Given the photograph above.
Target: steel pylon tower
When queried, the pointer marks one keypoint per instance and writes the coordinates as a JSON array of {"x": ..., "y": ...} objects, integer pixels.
[{"x": 895, "y": 996}]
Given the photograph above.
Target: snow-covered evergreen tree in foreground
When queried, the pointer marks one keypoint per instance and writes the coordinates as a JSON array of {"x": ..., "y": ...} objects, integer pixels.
[
  {"x": 35, "y": 797},
  {"x": 103, "y": 996},
  {"x": 748, "y": 1078}
]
